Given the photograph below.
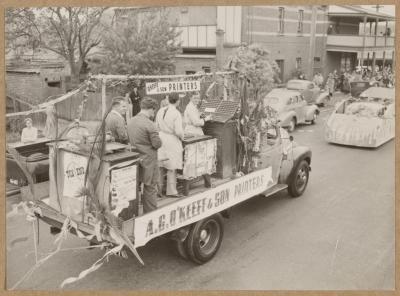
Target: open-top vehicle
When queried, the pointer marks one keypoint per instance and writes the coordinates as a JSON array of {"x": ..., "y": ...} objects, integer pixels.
[{"x": 368, "y": 121}]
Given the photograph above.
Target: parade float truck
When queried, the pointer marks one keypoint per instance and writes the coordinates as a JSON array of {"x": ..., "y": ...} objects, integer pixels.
[{"x": 111, "y": 202}]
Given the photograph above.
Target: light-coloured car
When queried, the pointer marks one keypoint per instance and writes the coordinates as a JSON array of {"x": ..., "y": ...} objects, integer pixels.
[
  {"x": 368, "y": 121},
  {"x": 310, "y": 91},
  {"x": 291, "y": 108}
]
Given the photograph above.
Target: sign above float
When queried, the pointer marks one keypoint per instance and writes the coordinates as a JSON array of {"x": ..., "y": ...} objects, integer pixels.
[{"x": 167, "y": 87}]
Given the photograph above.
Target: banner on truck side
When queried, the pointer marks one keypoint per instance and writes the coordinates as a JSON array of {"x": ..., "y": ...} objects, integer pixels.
[
  {"x": 166, "y": 87},
  {"x": 201, "y": 205},
  {"x": 74, "y": 173}
]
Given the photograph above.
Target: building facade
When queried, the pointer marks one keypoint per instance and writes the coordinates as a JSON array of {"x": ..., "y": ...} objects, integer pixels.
[
  {"x": 294, "y": 35},
  {"x": 358, "y": 37}
]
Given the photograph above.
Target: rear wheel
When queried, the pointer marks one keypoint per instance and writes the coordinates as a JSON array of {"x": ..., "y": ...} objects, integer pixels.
[
  {"x": 181, "y": 249},
  {"x": 204, "y": 239},
  {"x": 292, "y": 125},
  {"x": 299, "y": 181}
]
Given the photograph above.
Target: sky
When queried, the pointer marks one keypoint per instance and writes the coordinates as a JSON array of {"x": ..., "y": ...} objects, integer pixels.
[{"x": 389, "y": 9}]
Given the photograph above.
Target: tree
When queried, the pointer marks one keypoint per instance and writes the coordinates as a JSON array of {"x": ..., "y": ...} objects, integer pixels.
[
  {"x": 254, "y": 62},
  {"x": 71, "y": 32},
  {"x": 20, "y": 30},
  {"x": 146, "y": 45}
]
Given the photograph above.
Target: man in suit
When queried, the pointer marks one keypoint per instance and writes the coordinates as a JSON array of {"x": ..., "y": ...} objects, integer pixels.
[
  {"x": 143, "y": 135},
  {"x": 115, "y": 121}
]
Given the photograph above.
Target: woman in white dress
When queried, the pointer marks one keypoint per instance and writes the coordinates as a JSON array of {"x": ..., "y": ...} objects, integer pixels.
[
  {"x": 192, "y": 117},
  {"x": 170, "y": 125},
  {"x": 29, "y": 133}
]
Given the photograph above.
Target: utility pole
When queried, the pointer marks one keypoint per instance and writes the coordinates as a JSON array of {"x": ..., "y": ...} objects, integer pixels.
[
  {"x": 377, "y": 6},
  {"x": 311, "y": 54}
]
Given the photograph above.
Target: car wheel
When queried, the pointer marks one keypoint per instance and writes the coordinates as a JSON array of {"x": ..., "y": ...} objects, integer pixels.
[
  {"x": 204, "y": 239},
  {"x": 292, "y": 125},
  {"x": 314, "y": 119},
  {"x": 299, "y": 181}
]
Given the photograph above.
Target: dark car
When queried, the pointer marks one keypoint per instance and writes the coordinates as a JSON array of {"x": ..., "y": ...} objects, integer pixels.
[{"x": 357, "y": 87}]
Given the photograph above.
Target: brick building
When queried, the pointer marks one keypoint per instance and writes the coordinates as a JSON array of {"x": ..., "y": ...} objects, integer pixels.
[
  {"x": 357, "y": 36},
  {"x": 295, "y": 35}
]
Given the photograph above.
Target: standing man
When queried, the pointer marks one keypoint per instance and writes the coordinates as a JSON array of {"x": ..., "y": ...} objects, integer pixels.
[
  {"x": 330, "y": 84},
  {"x": 135, "y": 100},
  {"x": 169, "y": 123},
  {"x": 115, "y": 121},
  {"x": 144, "y": 136}
]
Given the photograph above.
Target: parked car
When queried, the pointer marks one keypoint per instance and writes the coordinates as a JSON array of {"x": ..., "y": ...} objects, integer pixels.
[
  {"x": 357, "y": 87},
  {"x": 291, "y": 107},
  {"x": 367, "y": 121},
  {"x": 310, "y": 91}
]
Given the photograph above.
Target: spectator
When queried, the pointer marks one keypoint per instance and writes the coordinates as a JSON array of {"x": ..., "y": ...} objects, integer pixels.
[{"x": 29, "y": 133}]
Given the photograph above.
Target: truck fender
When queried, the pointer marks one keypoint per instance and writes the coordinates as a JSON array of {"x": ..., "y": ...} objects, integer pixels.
[
  {"x": 180, "y": 234},
  {"x": 299, "y": 153},
  {"x": 284, "y": 118}
]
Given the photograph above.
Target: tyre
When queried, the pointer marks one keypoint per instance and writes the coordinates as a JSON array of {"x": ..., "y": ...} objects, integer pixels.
[
  {"x": 292, "y": 125},
  {"x": 180, "y": 248},
  {"x": 299, "y": 181},
  {"x": 315, "y": 115},
  {"x": 204, "y": 239}
]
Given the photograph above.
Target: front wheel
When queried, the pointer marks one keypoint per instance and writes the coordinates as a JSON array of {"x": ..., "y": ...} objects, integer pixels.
[
  {"x": 299, "y": 181},
  {"x": 204, "y": 239}
]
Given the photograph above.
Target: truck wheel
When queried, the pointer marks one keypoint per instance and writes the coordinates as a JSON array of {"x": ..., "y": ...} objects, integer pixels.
[
  {"x": 204, "y": 239},
  {"x": 181, "y": 249},
  {"x": 298, "y": 182},
  {"x": 292, "y": 125}
]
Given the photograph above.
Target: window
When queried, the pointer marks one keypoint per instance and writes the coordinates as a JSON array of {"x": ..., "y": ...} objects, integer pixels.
[
  {"x": 300, "y": 24},
  {"x": 206, "y": 69},
  {"x": 190, "y": 72},
  {"x": 298, "y": 63},
  {"x": 281, "y": 24}
]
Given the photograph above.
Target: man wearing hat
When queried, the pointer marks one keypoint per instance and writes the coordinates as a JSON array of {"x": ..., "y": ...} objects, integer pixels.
[
  {"x": 143, "y": 134},
  {"x": 115, "y": 121},
  {"x": 29, "y": 133}
]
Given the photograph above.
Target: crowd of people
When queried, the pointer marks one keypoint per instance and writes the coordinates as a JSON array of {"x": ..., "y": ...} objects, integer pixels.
[
  {"x": 382, "y": 76},
  {"x": 157, "y": 134}
]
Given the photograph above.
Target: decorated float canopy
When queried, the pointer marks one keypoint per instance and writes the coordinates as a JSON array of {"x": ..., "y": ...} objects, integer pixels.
[{"x": 379, "y": 92}]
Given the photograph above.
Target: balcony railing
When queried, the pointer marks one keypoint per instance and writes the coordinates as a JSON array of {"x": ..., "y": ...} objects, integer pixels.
[{"x": 357, "y": 41}]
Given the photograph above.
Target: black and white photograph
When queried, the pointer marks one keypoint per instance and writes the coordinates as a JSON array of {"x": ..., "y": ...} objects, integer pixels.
[{"x": 199, "y": 148}]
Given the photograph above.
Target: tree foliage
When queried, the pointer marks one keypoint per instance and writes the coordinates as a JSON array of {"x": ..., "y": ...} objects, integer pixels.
[
  {"x": 255, "y": 63},
  {"x": 20, "y": 30},
  {"x": 146, "y": 45},
  {"x": 71, "y": 32}
]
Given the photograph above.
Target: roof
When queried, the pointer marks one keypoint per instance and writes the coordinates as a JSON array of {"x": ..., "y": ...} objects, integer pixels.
[
  {"x": 379, "y": 92},
  {"x": 352, "y": 10}
]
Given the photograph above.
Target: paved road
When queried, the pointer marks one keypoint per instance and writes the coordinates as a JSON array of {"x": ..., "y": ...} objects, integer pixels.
[{"x": 338, "y": 235}]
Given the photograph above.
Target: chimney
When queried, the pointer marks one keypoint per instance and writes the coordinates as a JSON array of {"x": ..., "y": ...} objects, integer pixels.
[{"x": 219, "y": 49}]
